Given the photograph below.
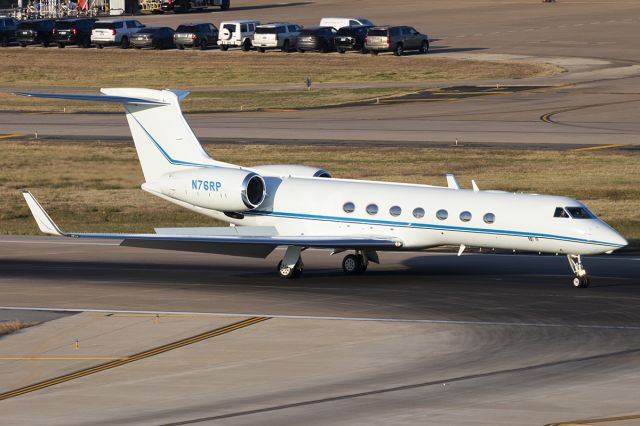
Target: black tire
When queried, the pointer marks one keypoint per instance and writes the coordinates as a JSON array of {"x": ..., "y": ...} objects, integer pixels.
[
  {"x": 424, "y": 47},
  {"x": 363, "y": 51},
  {"x": 99, "y": 46},
  {"x": 46, "y": 43},
  {"x": 22, "y": 44},
  {"x": 246, "y": 46},
  {"x": 60, "y": 46},
  {"x": 581, "y": 282},
  {"x": 286, "y": 46},
  {"x": 180, "y": 46},
  {"x": 374, "y": 52},
  {"x": 261, "y": 49},
  {"x": 137, "y": 47},
  {"x": 224, "y": 47},
  {"x": 350, "y": 264},
  {"x": 342, "y": 51},
  {"x": 203, "y": 44},
  {"x": 86, "y": 43},
  {"x": 124, "y": 43},
  {"x": 290, "y": 273},
  {"x": 300, "y": 50},
  {"x": 399, "y": 50},
  {"x": 4, "y": 41},
  {"x": 324, "y": 48}
]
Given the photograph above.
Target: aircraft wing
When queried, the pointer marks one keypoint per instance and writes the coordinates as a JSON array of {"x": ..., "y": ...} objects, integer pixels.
[{"x": 249, "y": 241}]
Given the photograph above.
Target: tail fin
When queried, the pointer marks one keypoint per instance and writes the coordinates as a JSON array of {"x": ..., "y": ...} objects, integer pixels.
[{"x": 163, "y": 139}]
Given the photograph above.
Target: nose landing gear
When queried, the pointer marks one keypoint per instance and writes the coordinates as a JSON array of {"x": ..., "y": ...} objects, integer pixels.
[{"x": 581, "y": 280}]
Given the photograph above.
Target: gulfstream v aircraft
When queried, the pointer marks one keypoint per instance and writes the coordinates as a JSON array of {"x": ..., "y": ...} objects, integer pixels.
[{"x": 301, "y": 207}]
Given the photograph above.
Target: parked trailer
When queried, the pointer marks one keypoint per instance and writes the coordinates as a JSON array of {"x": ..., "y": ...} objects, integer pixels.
[{"x": 179, "y": 6}]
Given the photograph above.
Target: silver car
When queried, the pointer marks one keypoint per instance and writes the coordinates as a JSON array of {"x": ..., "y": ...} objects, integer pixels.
[{"x": 395, "y": 39}]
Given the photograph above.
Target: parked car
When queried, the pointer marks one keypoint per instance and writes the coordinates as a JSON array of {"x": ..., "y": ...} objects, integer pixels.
[
  {"x": 340, "y": 22},
  {"x": 196, "y": 35},
  {"x": 276, "y": 35},
  {"x": 73, "y": 31},
  {"x": 316, "y": 38},
  {"x": 237, "y": 34},
  {"x": 396, "y": 40},
  {"x": 154, "y": 37},
  {"x": 116, "y": 32},
  {"x": 38, "y": 31},
  {"x": 351, "y": 38},
  {"x": 8, "y": 27}
]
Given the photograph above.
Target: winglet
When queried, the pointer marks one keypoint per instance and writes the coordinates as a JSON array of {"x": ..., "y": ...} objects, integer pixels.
[
  {"x": 452, "y": 182},
  {"x": 475, "y": 186},
  {"x": 43, "y": 220}
]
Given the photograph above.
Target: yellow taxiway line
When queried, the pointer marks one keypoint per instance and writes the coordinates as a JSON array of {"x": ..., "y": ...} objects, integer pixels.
[
  {"x": 61, "y": 358},
  {"x": 12, "y": 135},
  {"x": 591, "y": 148},
  {"x": 136, "y": 357}
]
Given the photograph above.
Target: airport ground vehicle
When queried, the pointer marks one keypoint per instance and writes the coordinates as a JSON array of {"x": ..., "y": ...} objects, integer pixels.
[
  {"x": 351, "y": 38},
  {"x": 196, "y": 34},
  {"x": 396, "y": 39},
  {"x": 73, "y": 31},
  {"x": 117, "y": 32},
  {"x": 339, "y": 22},
  {"x": 181, "y": 6},
  {"x": 8, "y": 27},
  {"x": 38, "y": 31},
  {"x": 154, "y": 37},
  {"x": 316, "y": 38},
  {"x": 301, "y": 207},
  {"x": 237, "y": 34},
  {"x": 276, "y": 35}
]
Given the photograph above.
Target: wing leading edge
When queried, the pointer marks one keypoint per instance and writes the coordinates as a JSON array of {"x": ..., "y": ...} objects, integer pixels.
[{"x": 232, "y": 241}]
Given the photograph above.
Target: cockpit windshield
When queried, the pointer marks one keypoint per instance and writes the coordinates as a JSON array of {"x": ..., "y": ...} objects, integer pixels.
[
  {"x": 560, "y": 212},
  {"x": 579, "y": 213}
]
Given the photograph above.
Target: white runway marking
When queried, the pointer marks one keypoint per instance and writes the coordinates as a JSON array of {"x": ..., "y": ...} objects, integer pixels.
[{"x": 330, "y": 318}]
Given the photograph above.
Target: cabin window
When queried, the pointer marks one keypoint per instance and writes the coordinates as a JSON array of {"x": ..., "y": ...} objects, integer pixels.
[
  {"x": 489, "y": 218},
  {"x": 560, "y": 212},
  {"x": 348, "y": 207},
  {"x": 395, "y": 211},
  {"x": 418, "y": 212},
  {"x": 579, "y": 213},
  {"x": 465, "y": 216},
  {"x": 372, "y": 209},
  {"x": 442, "y": 214}
]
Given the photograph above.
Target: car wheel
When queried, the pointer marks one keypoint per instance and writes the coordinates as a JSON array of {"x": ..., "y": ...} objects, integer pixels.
[
  {"x": 261, "y": 49},
  {"x": 424, "y": 48},
  {"x": 342, "y": 51},
  {"x": 364, "y": 51},
  {"x": 124, "y": 43},
  {"x": 180, "y": 46},
  {"x": 45, "y": 43},
  {"x": 4, "y": 42},
  {"x": 286, "y": 47},
  {"x": 224, "y": 47},
  {"x": 300, "y": 50},
  {"x": 374, "y": 52},
  {"x": 137, "y": 47},
  {"x": 60, "y": 46},
  {"x": 23, "y": 44},
  {"x": 323, "y": 47},
  {"x": 99, "y": 46},
  {"x": 246, "y": 46},
  {"x": 203, "y": 44},
  {"x": 399, "y": 50}
]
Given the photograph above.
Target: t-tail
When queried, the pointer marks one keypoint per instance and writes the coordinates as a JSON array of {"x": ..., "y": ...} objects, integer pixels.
[{"x": 164, "y": 140}]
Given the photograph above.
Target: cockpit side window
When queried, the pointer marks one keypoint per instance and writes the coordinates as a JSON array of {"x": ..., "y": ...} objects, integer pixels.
[
  {"x": 579, "y": 213},
  {"x": 560, "y": 212}
]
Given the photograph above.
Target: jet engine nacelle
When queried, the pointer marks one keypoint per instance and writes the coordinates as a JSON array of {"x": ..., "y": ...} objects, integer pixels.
[
  {"x": 291, "y": 170},
  {"x": 218, "y": 188}
]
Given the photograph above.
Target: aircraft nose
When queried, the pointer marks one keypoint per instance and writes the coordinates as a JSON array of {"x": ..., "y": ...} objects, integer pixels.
[{"x": 614, "y": 237}]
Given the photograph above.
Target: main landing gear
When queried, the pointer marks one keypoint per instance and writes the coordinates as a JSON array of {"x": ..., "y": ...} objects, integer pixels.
[
  {"x": 291, "y": 265},
  {"x": 581, "y": 280}
]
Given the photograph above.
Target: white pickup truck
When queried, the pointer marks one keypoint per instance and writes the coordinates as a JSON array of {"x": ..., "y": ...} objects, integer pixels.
[{"x": 115, "y": 32}]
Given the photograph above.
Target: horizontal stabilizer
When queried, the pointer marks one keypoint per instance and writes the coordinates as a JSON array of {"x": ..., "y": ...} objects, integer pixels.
[{"x": 96, "y": 98}]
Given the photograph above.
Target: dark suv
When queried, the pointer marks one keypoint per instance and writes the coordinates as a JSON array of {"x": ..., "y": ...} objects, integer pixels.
[
  {"x": 73, "y": 31},
  {"x": 396, "y": 40},
  {"x": 8, "y": 27},
  {"x": 197, "y": 35},
  {"x": 352, "y": 38},
  {"x": 316, "y": 38},
  {"x": 37, "y": 31}
]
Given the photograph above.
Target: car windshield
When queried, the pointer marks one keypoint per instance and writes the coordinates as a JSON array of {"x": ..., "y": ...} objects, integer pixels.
[
  {"x": 579, "y": 213},
  {"x": 366, "y": 22},
  {"x": 186, "y": 29},
  {"x": 377, "y": 33}
]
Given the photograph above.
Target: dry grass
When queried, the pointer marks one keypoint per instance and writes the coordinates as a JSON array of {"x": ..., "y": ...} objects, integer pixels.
[
  {"x": 189, "y": 69},
  {"x": 95, "y": 187},
  {"x": 8, "y": 327}
]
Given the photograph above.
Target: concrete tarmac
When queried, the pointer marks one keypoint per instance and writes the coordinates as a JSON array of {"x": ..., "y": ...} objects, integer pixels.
[{"x": 422, "y": 338}]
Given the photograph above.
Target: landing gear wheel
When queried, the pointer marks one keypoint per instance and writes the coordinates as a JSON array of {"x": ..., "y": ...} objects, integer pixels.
[
  {"x": 353, "y": 264},
  {"x": 581, "y": 282},
  {"x": 288, "y": 272}
]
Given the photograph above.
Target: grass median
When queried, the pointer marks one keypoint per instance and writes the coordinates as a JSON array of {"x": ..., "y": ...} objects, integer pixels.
[
  {"x": 96, "y": 186},
  {"x": 206, "y": 72}
]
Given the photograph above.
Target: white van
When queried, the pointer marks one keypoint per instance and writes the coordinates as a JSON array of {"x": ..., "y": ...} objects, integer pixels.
[{"x": 340, "y": 22}]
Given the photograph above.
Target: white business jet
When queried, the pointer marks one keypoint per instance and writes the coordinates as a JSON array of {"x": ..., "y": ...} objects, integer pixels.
[{"x": 302, "y": 207}]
